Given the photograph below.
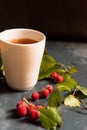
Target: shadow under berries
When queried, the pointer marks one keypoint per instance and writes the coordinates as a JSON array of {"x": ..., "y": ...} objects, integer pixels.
[{"x": 29, "y": 121}]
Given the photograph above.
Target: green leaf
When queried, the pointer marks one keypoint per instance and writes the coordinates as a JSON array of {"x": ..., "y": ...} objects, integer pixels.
[
  {"x": 82, "y": 89},
  {"x": 54, "y": 100},
  {"x": 71, "y": 101},
  {"x": 68, "y": 83},
  {"x": 47, "y": 62},
  {"x": 71, "y": 69},
  {"x": 46, "y": 74},
  {"x": 48, "y": 65},
  {"x": 61, "y": 71},
  {"x": 50, "y": 118}
]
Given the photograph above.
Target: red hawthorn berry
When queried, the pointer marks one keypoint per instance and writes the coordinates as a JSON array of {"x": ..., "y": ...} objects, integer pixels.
[
  {"x": 59, "y": 78},
  {"x": 34, "y": 114},
  {"x": 44, "y": 92},
  {"x": 21, "y": 109},
  {"x": 56, "y": 77},
  {"x": 20, "y": 103},
  {"x": 50, "y": 88},
  {"x": 31, "y": 106},
  {"x": 53, "y": 75},
  {"x": 39, "y": 106},
  {"x": 35, "y": 96}
]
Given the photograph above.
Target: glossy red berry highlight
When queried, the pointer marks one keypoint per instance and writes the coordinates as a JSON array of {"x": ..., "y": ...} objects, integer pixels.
[
  {"x": 21, "y": 109},
  {"x": 50, "y": 88},
  {"x": 53, "y": 74},
  {"x": 56, "y": 77},
  {"x": 59, "y": 78},
  {"x": 35, "y": 96},
  {"x": 34, "y": 114},
  {"x": 44, "y": 92}
]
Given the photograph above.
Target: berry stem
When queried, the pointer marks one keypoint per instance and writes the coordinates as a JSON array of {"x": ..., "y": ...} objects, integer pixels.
[
  {"x": 25, "y": 100},
  {"x": 74, "y": 91},
  {"x": 83, "y": 104},
  {"x": 64, "y": 67}
]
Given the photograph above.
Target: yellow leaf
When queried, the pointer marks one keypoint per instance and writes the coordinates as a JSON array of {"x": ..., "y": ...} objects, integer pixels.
[{"x": 71, "y": 101}]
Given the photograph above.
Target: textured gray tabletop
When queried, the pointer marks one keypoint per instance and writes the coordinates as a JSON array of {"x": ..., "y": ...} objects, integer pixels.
[{"x": 73, "y": 119}]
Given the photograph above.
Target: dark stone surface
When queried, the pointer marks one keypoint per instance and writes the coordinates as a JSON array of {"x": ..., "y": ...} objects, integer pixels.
[{"x": 73, "y": 119}]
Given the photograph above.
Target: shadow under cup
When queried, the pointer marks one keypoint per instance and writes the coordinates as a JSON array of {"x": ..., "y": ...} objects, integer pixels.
[{"x": 22, "y": 61}]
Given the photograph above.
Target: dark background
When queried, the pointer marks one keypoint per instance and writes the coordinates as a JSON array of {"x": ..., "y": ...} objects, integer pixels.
[{"x": 58, "y": 19}]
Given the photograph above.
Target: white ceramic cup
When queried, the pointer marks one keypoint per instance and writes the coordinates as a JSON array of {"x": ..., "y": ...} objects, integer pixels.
[{"x": 21, "y": 61}]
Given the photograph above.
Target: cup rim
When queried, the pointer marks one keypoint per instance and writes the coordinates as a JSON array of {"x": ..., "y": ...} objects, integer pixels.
[{"x": 25, "y": 29}]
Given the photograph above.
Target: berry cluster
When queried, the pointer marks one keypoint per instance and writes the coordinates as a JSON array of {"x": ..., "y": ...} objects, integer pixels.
[
  {"x": 24, "y": 107},
  {"x": 56, "y": 77},
  {"x": 43, "y": 93}
]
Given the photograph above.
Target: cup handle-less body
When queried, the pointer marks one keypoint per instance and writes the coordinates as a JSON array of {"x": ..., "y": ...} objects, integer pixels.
[{"x": 22, "y": 63}]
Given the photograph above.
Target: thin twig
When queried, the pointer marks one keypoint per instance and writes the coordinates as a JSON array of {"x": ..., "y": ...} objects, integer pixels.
[{"x": 83, "y": 104}]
